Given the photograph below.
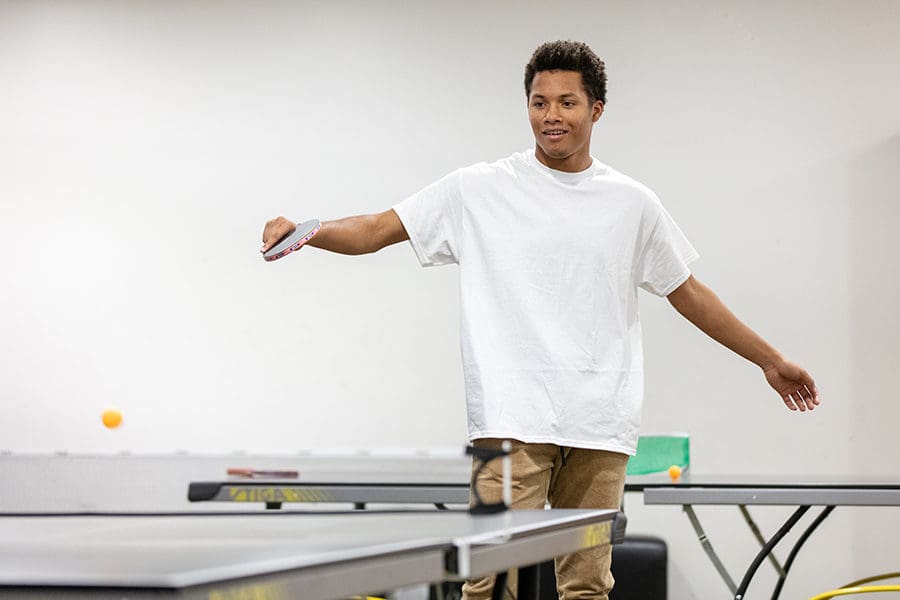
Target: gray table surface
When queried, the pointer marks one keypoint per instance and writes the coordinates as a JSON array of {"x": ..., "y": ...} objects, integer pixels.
[
  {"x": 277, "y": 554},
  {"x": 769, "y": 490},
  {"x": 159, "y": 482}
]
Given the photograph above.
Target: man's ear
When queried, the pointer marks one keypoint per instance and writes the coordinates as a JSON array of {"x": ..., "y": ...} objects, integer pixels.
[{"x": 597, "y": 111}]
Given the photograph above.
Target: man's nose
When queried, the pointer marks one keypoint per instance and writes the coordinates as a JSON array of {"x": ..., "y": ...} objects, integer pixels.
[{"x": 552, "y": 115}]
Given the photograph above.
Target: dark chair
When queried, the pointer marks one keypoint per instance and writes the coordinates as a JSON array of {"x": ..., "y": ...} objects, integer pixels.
[{"x": 639, "y": 566}]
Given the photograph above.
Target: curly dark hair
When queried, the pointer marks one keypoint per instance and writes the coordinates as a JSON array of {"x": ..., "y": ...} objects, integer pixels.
[{"x": 569, "y": 56}]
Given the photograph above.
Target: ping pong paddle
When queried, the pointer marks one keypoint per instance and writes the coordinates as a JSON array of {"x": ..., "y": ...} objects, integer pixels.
[
  {"x": 294, "y": 240},
  {"x": 242, "y": 472}
]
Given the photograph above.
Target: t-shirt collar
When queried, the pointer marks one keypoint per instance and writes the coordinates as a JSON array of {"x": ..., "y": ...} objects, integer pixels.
[{"x": 565, "y": 176}]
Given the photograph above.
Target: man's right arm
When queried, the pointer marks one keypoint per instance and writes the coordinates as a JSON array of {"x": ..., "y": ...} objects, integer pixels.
[{"x": 361, "y": 234}]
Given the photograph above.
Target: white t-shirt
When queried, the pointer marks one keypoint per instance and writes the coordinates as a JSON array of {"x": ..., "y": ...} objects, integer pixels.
[{"x": 549, "y": 266}]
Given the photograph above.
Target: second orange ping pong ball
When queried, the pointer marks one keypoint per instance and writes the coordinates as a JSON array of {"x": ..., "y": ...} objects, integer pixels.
[{"x": 112, "y": 418}]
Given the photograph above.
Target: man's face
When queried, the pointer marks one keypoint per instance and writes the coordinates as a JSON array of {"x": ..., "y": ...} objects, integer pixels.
[{"x": 562, "y": 117}]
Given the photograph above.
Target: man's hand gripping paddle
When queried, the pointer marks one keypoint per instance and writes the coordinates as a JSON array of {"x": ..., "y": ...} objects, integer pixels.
[{"x": 293, "y": 241}]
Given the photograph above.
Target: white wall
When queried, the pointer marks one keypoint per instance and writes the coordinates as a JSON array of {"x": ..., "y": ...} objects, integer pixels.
[{"x": 143, "y": 145}]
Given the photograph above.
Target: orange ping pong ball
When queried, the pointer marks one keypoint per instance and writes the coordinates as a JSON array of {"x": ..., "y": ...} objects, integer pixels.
[
  {"x": 112, "y": 418},
  {"x": 674, "y": 472}
]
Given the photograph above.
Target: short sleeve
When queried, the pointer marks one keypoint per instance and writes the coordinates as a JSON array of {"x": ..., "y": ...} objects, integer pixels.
[
  {"x": 663, "y": 263},
  {"x": 432, "y": 220}
]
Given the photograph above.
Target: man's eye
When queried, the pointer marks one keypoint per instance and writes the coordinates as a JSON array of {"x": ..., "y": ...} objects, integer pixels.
[
  {"x": 538, "y": 105},
  {"x": 568, "y": 104}
]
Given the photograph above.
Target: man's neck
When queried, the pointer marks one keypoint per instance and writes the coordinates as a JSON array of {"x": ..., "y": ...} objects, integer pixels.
[{"x": 571, "y": 164}]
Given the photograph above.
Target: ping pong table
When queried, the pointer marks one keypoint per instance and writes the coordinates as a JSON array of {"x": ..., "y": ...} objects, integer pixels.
[
  {"x": 802, "y": 492},
  {"x": 100, "y": 531},
  {"x": 421, "y": 478},
  {"x": 316, "y": 556}
]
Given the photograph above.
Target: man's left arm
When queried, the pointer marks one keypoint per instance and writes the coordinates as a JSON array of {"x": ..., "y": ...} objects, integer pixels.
[{"x": 700, "y": 305}]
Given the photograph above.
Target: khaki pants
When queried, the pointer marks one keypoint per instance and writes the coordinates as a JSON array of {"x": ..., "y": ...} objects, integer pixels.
[{"x": 566, "y": 478}]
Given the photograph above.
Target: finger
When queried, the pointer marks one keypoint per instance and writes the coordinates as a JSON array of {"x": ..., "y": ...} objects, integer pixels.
[
  {"x": 272, "y": 225},
  {"x": 810, "y": 385},
  {"x": 267, "y": 230},
  {"x": 270, "y": 234},
  {"x": 809, "y": 398},
  {"x": 801, "y": 397},
  {"x": 789, "y": 402},
  {"x": 276, "y": 230},
  {"x": 268, "y": 241},
  {"x": 813, "y": 393}
]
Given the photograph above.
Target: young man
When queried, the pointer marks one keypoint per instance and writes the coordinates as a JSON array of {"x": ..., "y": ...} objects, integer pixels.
[{"x": 552, "y": 246}]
